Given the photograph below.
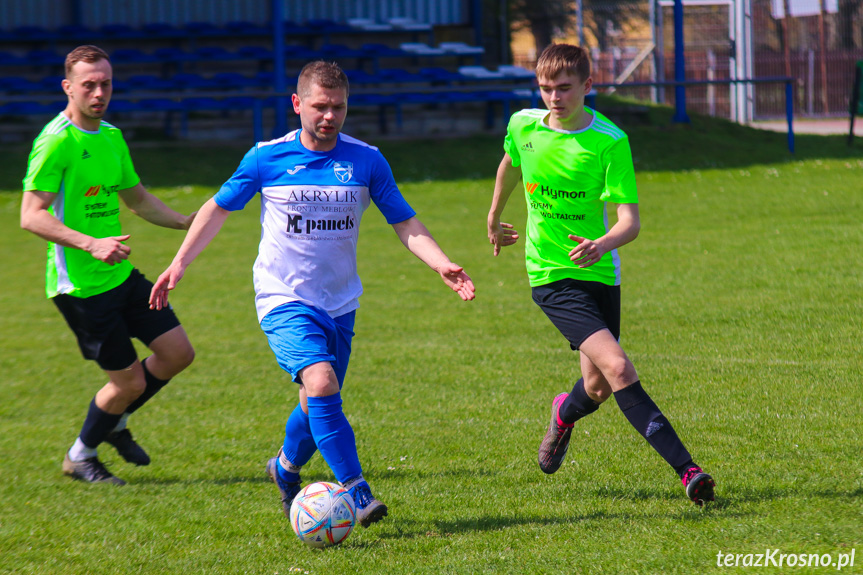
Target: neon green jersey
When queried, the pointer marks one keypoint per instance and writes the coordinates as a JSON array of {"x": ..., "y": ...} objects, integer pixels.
[
  {"x": 568, "y": 177},
  {"x": 85, "y": 170}
]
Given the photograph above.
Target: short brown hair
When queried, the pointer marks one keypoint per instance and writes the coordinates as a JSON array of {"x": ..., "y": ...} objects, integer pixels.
[
  {"x": 87, "y": 54},
  {"x": 559, "y": 58},
  {"x": 327, "y": 75}
]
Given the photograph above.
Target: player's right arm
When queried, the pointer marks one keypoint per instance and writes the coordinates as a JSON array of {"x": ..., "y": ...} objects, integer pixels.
[
  {"x": 501, "y": 234},
  {"x": 205, "y": 227},
  {"x": 36, "y": 218}
]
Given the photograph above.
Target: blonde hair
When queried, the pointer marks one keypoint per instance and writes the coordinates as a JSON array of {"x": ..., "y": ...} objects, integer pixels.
[{"x": 559, "y": 58}]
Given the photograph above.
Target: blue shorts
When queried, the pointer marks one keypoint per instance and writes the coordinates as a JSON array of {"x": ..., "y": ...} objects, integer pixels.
[{"x": 301, "y": 335}]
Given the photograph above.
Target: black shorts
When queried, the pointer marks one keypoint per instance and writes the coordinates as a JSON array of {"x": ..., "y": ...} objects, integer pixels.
[
  {"x": 579, "y": 309},
  {"x": 105, "y": 323}
]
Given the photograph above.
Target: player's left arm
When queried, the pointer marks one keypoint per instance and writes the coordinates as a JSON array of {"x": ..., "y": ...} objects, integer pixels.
[
  {"x": 149, "y": 207},
  {"x": 588, "y": 251},
  {"x": 414, "y": 235}
]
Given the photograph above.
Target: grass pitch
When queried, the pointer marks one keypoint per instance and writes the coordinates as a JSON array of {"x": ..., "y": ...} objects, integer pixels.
[{"x": 742, "y": 307}]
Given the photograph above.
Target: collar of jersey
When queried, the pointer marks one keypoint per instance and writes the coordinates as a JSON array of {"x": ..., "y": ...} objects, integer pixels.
[
  {"x": 302, "y": 147},
  {"x": 542, "y": 122}
]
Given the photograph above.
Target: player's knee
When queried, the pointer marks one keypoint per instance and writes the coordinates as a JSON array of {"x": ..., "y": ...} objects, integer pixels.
[
  {"x": 178, "y": 358},
  {"x": 620, "y": 371},
  {"x": 598, "y": 393},
  {"x": 132, "y": 387},
  {"x": 319, "y": 380},
  {"x": 185, "y": 357}
]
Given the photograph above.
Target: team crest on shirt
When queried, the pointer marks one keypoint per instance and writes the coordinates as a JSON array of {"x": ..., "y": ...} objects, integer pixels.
[{"x": 344, "y": 171}]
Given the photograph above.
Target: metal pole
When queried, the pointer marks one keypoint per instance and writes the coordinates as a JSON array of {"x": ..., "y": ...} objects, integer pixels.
[
  {"x": 824, "y": 105},
  {"x": 579, "y": 21},
  {"x": 680, "y": 115},
  {"x": 280, "y": 83},
  {"x": 477, "y": 22},
  {"x": 855, "y": 101},
  {"x": 789, "y": 113},
  {"x": 656, "y": 48},
  {"x": 504, "y": 34},
  {"x": 785, "y": 40},
  {"x": 660, "y": 54}
]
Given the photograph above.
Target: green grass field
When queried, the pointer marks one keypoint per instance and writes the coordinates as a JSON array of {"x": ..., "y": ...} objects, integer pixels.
[{"x": 742, "y": 313}]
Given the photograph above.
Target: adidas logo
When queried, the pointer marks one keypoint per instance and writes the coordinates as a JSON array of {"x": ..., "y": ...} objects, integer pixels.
[
  {"x": 528, "y": 147},
  {"x": 85, "y": 155}
]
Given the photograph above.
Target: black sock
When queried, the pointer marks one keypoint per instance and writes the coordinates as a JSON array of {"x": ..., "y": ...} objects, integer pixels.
[
  {"x": 646, "y": 418},
  {"x": 98, "y": 425},
  {"x": 577, "y": 404},
  {"x": 153, "y": 386}
]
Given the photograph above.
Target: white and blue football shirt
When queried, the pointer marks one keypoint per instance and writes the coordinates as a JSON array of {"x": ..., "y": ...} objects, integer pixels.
[{"x": 311, "y": 206}]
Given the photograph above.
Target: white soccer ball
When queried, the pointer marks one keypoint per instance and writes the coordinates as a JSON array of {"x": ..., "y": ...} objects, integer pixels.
[{"x": 323, "y": 514}]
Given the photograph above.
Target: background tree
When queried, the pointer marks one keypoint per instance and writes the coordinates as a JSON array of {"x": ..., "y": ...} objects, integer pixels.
[{"x": 545, "y": 19}]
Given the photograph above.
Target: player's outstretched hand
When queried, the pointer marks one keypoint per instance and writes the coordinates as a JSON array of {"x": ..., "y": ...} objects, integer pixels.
[
  {"x": 166, "y": 282},
  {"x": 500, "y": 235},
  {"x": 110, "y": 250},
  {"x": 187, "y": 223},
  {"x": 586, "y": 253},
  {"x": 453, "y": 275}
]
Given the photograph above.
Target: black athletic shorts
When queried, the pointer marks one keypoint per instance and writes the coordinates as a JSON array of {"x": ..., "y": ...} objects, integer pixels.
[
  {"x": 578, "y": 309},
  {"x": 105, "y": 323}
]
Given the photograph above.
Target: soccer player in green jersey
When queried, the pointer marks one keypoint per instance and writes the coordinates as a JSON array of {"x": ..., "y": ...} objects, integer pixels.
[
  {"x": 78, "y": 171},
  {"x": 573, "y": 160}
]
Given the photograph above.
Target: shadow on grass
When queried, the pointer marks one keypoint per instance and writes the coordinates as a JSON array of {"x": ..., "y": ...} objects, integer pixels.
[
  {"x": 414, "y": 475},
  {"x": 442, "y": 529},
  {"x": 200, "y": 481}
]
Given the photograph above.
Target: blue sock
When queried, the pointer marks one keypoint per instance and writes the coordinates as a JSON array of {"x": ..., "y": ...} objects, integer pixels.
[
  {"x": 299, "y": 445},
  {"x": 334, "y": 436}
]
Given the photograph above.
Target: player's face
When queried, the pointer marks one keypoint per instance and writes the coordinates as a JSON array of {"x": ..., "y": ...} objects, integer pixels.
[
  {"x": 564, "y": 95},
  {"x": 322, "y": 114},
  {"x": 89, "y": 90}
]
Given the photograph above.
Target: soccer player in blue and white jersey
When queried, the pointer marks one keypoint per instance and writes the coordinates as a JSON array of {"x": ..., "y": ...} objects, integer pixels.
[{"x": 315, "y": 183}]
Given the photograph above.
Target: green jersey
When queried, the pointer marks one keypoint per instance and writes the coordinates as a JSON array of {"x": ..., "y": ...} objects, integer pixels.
[
  {"x": 568, "y": 177},
  {"x": 85, "y": 170}
]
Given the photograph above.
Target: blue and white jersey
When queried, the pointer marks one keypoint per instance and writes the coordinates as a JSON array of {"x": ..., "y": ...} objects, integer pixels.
[{"x": 311, "y": 206}]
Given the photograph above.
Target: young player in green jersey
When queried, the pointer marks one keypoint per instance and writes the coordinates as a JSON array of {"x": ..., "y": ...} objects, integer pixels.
[
  {"x": 78, "y": 171},
  {"x": 573, "y": 160}
]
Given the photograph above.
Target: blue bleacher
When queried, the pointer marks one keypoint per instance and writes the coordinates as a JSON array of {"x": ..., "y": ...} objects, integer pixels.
[
  {"x": 18, "y": 85},
  {"x": 242, "y": 28},
  {"x": 161, "y": 30},
  {"x": 234, "y": 80},
  {"x": 132, "y": 56},
  {"x": 187, "y": 81},
  {"x": 43, "y": 58},
  {"x": 148, "y": 83},
  {"x": 117, "y": 31},
  {"x": 201, "y": 28},
  {"x": 255, "y": 53},
  {"x": 9, "y": 59},
  {"x": 186, "y": 92}
]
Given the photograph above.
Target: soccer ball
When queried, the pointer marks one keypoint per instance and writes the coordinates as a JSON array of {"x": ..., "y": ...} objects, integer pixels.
[{"x": 323, "y": 514}]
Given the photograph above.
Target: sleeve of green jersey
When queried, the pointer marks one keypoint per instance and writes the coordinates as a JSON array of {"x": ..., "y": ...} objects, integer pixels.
[
  {"x": 620, "y": 185},
  {"x": 129, "y": 175},
  {"x": 510, "y": 147},
  {"x": 46, "y": 166}
]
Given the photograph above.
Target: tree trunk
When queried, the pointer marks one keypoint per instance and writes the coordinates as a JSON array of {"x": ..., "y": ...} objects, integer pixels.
[{"x": 543, "y": 35}]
